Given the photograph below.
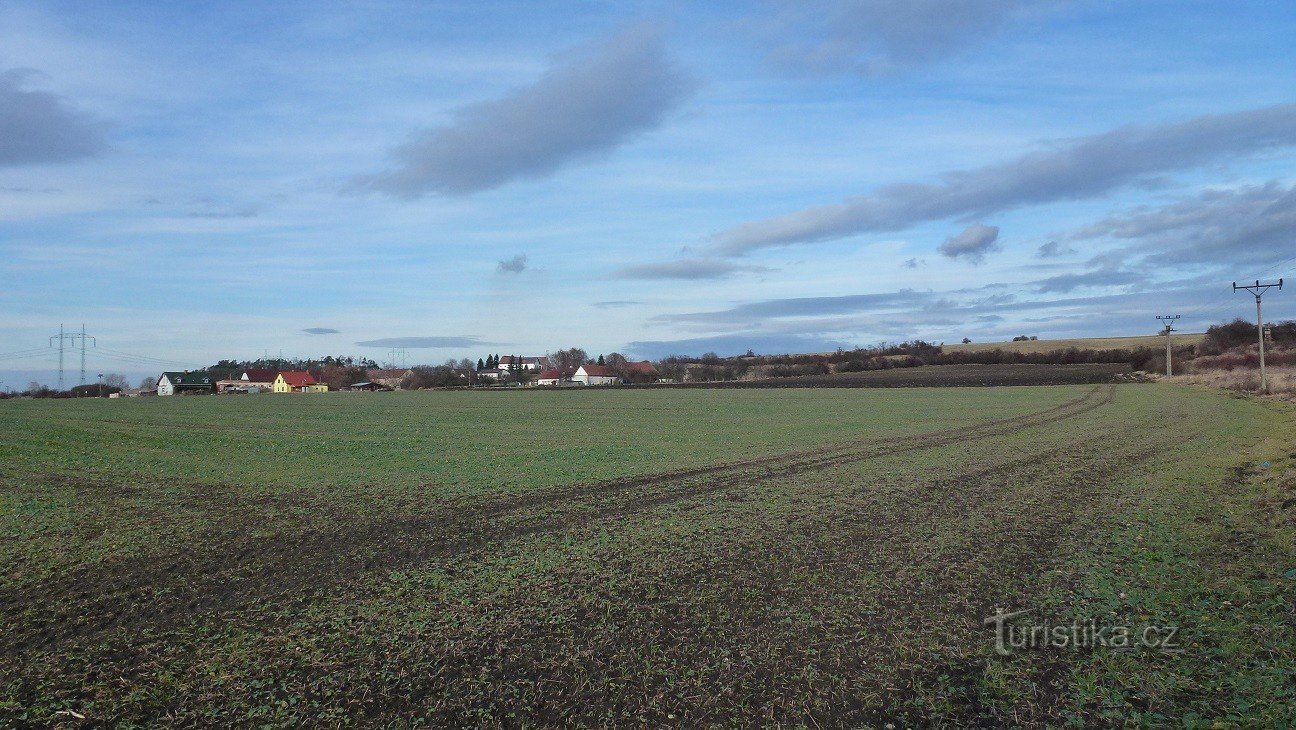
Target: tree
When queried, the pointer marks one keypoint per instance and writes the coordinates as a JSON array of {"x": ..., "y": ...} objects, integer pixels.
[
  {"x": 601, "y": 361},
  {"x": 967, "y": 340},
  {"x": 116, "y": 380},
  {"x": 148, "y": 383},
  {"x": 569, "y": 359},
  {"x": 480, "y": 365}
]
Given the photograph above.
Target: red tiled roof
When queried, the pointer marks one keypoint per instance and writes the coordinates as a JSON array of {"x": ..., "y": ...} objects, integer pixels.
[
  {"x": 643, "y": 367},
  {"x": 555, "y": 374},
  {"x": 260, "y": 375},
  {"x": 297, "y": 378}
]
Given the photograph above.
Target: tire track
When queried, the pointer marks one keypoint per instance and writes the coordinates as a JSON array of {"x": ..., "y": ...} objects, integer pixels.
[{"x": 157, "y": 592}]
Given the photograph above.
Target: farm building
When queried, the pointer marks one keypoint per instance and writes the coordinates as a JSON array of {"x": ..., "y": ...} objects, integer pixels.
[
  {"x": 554, "y": 376},
  {"x": 198, "y": 381},
  {"x": 509, "y": 362},
  {"x": 298, "y": 381},
  {"x": 595, "y": 375},
  {"x": 390, "y": 377},
  {"x": 263, "y": 377},
  {"x": 370, "y": 387}
]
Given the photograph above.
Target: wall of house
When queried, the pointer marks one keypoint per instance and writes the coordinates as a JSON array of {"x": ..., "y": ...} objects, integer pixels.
[
  {"x": 280, "y": 386},
  {"x": 165, "y": 387}
]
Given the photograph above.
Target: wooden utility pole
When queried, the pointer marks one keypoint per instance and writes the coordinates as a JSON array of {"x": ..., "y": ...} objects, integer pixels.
[{"x": 1258, "y": 289}]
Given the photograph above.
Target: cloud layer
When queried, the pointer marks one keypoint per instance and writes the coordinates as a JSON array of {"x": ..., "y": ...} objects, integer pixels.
[
  {"x": 874, "y": 37},
  {"x": 591, "y": 103},
  {"x": 37, "y": 126},
  {"x": 1254, "y": 224},
  {"x": 1074, "y": 170}
]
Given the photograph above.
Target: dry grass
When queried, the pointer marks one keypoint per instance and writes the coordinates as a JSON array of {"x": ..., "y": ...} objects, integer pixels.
[
  {"x": 1085, "y": 343},
  {"x": 1282, "y": 379}
]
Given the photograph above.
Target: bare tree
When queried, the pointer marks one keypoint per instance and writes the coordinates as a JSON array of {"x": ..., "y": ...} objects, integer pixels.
[
  {"x": 569, "y": 359},
  {"x": 148, "y": 383},
  {"x": 116, "y": 380}
]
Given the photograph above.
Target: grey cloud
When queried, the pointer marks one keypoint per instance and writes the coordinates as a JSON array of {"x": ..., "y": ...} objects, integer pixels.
[
  {"x": 423, "y": 342},
  {"x": 1253, "y": 225},
  {"x": 616, "y": 303},
  {"x": 1071, "y": 170},
  {"x": 685, "y": 269},
  {"x": 972, "y": 244},
  {"x": 321, "y": 331},
  {"x": 874, "y": 37},
  {"x": 1095, "y": 278},
  {"x": 515, "y": 265},
  {"x": 37, "y": 126},
  {"x": 913, "y": 263},
  {"x": 593, "y": 101},
  {"x": 1052, "y": 250}
]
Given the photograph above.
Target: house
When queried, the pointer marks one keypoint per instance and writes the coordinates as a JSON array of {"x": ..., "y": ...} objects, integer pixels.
[
  {"x": 595, "y": 375},
  {"x": 298, "y": 381},
  {"x": 371, "y": 387},
  {"x": 390, "y": 377},
  {"x": 263, "y": 377},
  {"x": 172, "y": 383},
  {"x": 554, "y": 376},
  {"x": 494, "y": 374},
  {"x": 508, "y": 362}
]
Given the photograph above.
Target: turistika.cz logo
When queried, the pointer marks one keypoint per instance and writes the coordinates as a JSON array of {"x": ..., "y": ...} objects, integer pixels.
[{"x": 1079, "y": 635}]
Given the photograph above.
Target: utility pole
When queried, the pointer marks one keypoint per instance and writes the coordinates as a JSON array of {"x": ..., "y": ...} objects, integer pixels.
[
  {"x": 1259, "y": 289},
  {"x": 1169, "y": 327}
]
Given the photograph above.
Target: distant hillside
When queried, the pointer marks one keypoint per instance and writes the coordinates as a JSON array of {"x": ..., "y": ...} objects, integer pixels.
[{"x": 1083, "y": 343}]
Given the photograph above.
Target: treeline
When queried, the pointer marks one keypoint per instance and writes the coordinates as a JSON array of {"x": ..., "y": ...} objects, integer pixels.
[{"x": 916, "y": 353}]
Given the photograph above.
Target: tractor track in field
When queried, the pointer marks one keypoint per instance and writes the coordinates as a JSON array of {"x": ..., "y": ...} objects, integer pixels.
[{"x": 158, "y": 592}]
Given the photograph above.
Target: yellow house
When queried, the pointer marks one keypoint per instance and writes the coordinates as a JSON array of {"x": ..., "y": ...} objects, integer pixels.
[{"x": 298, "y": 381}]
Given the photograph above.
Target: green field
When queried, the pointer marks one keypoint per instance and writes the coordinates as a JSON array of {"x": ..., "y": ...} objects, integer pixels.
[{"x": 648, "y": 557}]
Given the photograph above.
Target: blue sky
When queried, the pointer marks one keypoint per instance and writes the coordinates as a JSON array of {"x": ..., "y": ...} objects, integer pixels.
[{"x": 222, "y": 180}]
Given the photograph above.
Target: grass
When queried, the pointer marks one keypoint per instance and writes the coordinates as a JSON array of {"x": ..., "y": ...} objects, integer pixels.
[
  {"x": 1083, "y": 343},
  {"x": 795, "y": 557}
]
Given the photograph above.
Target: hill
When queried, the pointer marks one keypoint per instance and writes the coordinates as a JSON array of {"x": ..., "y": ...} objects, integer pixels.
[{"x": 1081, "y": 343}]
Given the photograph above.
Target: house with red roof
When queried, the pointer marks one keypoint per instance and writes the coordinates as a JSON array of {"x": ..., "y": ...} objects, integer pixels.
[
  {"x": 298, "y": 381},
  {"x": 640, "y": 372},
  {"x": 554, "y": 376}
]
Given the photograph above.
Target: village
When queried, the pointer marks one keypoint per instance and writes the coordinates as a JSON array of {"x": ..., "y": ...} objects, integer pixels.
[{"x": 493, "y": 371}]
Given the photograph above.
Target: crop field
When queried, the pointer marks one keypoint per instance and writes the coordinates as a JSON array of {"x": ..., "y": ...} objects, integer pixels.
[
  {"x": 800, "y": 557},
  {"x": 1079, "y": 343}
]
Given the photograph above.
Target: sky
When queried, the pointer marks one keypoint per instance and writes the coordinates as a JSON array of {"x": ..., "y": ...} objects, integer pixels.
[{"x": 233, "y": 179}]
